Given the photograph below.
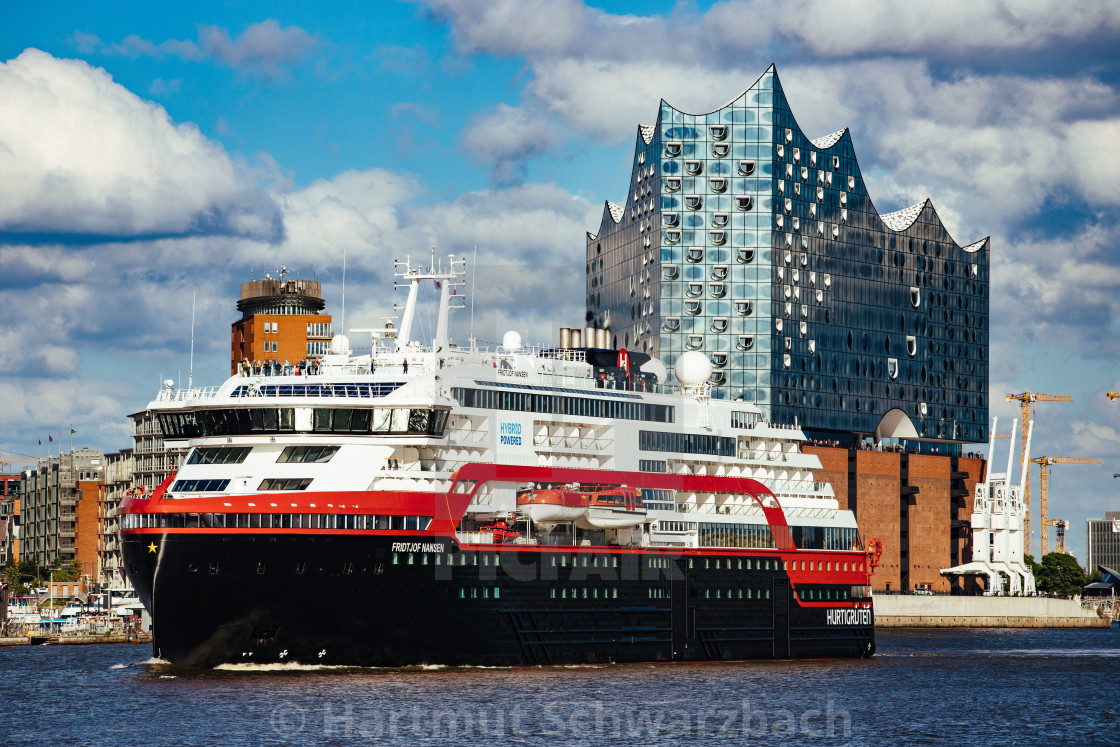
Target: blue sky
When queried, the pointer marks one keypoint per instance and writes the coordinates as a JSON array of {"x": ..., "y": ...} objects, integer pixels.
[{"x": 148, "y": 157}]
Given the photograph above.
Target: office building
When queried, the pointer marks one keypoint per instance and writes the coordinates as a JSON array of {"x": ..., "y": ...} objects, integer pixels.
[{"x": 1103, "y": 542}]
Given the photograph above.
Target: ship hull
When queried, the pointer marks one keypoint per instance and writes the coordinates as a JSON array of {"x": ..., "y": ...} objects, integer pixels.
[{"x": 383, "y": 600}]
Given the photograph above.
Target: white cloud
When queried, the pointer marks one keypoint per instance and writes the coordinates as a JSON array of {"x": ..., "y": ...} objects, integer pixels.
[
  {"x": 81, "y": 154},
  {"x": 508, "y": 137},
  {"x": 803, "y": 28},
  {"x": 264, "y": 50}
]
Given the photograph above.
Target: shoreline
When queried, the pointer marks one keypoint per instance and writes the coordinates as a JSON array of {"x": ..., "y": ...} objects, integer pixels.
[{"x": 70, "y": 640}]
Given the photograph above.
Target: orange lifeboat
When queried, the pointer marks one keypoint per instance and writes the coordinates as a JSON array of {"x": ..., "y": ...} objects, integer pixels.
[
  {"x": 553, "y": 505},
  {"x": 614, "y": 507}
]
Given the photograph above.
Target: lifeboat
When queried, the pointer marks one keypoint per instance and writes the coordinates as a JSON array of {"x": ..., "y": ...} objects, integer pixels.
[
  {"x": 613, "y": 508},
  {"x": 552, "y": 506}
]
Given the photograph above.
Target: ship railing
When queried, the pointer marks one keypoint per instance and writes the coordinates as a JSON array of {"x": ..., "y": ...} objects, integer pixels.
[
  {"x": 562, "y": 354},
  {"x": 468, "y": 435},
  {"x": 573, "y": 442},
  {"x": 436, "y": 466},
  {"x": 182, "y": 395}
]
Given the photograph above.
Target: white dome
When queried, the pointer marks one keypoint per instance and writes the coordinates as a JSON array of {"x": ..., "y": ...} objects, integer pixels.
[
  {"x": 693, "y": 368},
  {"x": 511, "y": 341},
  {"x": 657, "y": 368},
  {"x": 340, "y": 345}
]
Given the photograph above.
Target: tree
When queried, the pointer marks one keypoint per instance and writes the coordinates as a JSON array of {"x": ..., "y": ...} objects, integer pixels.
[
  {"x": 1036, "y": 569},
  {"x": 10, "y": 574},
  {"x": 1060, "y": 574}
]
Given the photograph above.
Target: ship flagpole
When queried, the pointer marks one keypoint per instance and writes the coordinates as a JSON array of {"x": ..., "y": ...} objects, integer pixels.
[
  {"x": 474, "y": 276},
  {"x": 190, "y": 374}
]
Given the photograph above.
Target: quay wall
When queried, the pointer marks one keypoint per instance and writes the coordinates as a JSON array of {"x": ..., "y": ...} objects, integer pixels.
[{"x": 906, "y": 611}]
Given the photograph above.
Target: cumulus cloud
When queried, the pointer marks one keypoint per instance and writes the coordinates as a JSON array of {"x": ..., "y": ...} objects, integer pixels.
[
  {"x": 264, "y": 50},
  {"x": 508, "y": 137},
  {"x": 81, "y": 154},
  {"x": 805, "y": 28}
]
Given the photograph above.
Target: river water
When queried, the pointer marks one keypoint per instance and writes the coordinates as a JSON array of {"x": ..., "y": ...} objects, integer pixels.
[{"x": 979, "y": 687}]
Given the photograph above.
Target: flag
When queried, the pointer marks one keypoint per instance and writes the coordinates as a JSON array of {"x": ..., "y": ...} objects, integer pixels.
[
  {"x": 40, "y": 442},
  {"x": 72, "y": 431},
  {"x": 50, "y": 439},
  {"x": 438, "y": 285}
]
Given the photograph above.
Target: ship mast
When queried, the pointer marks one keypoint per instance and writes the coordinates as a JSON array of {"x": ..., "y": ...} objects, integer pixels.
[{"x": 445, "y": 279}]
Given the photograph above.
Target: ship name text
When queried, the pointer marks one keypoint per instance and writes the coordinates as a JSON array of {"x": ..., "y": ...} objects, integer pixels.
[
  {"x": 419, "y": 547},
  {"x": 849, "y": 617}
]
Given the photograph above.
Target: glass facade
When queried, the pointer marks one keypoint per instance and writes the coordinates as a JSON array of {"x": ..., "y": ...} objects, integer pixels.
[{"x": 745, "y": 240}]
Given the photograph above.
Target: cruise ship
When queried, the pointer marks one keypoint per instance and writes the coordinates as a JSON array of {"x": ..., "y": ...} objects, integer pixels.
[{"x": 522, "y": 505}]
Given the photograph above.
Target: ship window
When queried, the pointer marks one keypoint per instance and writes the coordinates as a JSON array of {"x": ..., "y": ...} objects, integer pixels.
[
  {"x": 219, "y": 455},
  {"x": 199, "y": 486},
  {"x": 307, "y": 454}
]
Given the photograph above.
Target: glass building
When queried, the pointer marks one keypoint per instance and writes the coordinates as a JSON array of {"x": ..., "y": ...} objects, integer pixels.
[{"x": 746, "y": 240}]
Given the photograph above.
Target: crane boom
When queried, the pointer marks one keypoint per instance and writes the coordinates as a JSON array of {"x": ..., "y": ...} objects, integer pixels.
[
  {"x": 1026, "y": 399},
  {"x": 1044, "y": 464},
  {"x": 1113, "y": 395}
]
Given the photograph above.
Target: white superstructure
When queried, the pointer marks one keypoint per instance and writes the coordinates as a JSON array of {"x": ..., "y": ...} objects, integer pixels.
[{"x": 406, "y": 416}]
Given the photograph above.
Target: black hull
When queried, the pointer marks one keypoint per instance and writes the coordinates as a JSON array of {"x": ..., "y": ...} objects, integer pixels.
[{"x": 220, "y": 598}]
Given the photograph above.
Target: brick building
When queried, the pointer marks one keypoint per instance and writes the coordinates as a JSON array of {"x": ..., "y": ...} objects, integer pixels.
[
  {"x": 9, "y": 518},
  {"x": 920, "y": 505},
  {"x": 59, "y": 511},
  {"x": 281, "y": 320}
]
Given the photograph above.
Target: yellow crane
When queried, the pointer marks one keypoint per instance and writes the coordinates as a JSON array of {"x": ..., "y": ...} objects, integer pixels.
[
  {"x": 1026, "y": 399},
  {"x": 1113, "y": 395},
  {"x": 1043, "y": 491},
  {"x": 13, "y": 460},
  {"x": 1062, "y": 526}
]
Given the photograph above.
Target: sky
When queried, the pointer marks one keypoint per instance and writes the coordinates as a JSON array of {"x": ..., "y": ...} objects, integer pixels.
[{"x": 152, "y": 160}]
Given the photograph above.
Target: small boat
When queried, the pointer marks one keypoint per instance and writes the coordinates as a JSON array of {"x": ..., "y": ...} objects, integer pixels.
[
  {"x": 553, "y": 505},
  {"x": 613, "y": 507}
]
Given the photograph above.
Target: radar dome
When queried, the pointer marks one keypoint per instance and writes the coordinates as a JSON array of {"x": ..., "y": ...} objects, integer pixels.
[
  {"x": 693, "y": 368},
  {"x": 511, "y": 341},
  {"x": 657, "y": 368},
  {"x": 340, "y": 345}
]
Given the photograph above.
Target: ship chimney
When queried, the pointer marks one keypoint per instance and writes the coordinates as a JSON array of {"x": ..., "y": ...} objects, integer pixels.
[{"x": 565, "y": 338}]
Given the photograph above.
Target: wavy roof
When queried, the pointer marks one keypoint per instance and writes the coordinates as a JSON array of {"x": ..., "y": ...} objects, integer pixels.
[
  {"x": 827, "y": 141},
  {"x": 900, "y": 220}
]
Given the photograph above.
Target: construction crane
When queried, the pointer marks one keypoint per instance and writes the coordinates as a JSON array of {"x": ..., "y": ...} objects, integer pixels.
[
  {"x": 1026, "y": 399},
  {"x": 1043, "y": 490},
  {"x": 1062, "y": 525},
  {"x": 12, "y": 460},
  {"x": 1113, "y": 395}
]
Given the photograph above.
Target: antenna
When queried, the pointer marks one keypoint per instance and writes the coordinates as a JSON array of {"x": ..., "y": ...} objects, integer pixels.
[
  {"x": 474, "y": 276},
  {"x": 190, "y": 376},
  {"x": 344, "y": 290}
]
